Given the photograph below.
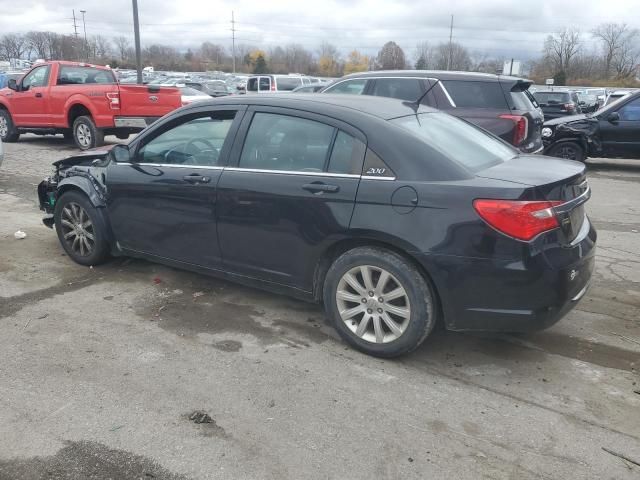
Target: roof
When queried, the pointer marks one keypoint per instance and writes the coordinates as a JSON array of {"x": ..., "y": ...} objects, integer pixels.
[
  {"x": 73, "y": 64},
  {"x": 439, "y": 74},
  {"x": 381, "y": 107}
]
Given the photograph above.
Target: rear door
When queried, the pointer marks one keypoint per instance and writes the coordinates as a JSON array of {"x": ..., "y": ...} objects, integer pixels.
[
  {"x": 289, "y": 194},
  {"x": 30, "y": 106},
  {"x": 163, "y": 203},
  {"x": 622, "y": 137},
  {"x": 148, "y": 100}
]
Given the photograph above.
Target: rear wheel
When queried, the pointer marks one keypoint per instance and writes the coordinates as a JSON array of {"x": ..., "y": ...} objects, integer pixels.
[
  {"x": 81, "y": 229},
  {"x": 8, "y": 131},
  {"x": 85, "y": 133},
  {"x": 379, "y": 302},
  {"x": 568, "y": 150}
]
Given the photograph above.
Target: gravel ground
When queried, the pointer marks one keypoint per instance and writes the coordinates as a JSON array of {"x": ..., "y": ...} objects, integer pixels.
[{"x": 104, "y": 372}]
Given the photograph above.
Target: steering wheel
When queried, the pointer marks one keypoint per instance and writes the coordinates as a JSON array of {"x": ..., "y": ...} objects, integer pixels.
[
  {"x": 193, "y": 142},
  {"x": 202, "y": 156}
]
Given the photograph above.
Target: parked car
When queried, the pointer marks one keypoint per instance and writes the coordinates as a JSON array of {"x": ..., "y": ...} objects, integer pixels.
[
  {"x": 214, "y": 88},
  {"x": 558, "y": 103},
  {"x": 588, "y": 103},
  {"x": 190, "y": 95},
  {"x": 83, "y": 102},
  {"x": 313, "y": 88},
  {"x": 616, "y": 95},
  {"x": 500, "y": 104},
  {"x": 273, "y": 83},
  {"x": 613, "y": 131},
  {"x": 393, "y": 216}
]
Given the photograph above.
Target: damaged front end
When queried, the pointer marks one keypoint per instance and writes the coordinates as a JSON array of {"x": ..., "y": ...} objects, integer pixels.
[
  {"x": 85, "y": 172},
  {"x": 584, "y": 130}
]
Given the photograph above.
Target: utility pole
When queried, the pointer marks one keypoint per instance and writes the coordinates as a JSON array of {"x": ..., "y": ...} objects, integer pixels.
[
  {"x": 450, "y": 60},
  {"x": 84, "y": 25},
  {"x": 136, "y": 34},
  {"x": 75, "y": 32},
  {"x": 233, "y": 41}
]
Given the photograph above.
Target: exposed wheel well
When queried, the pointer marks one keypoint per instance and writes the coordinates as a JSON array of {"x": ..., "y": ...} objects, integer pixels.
[
  {"x": 333, "y": 252},
  {"x": 77, "y": 111}
]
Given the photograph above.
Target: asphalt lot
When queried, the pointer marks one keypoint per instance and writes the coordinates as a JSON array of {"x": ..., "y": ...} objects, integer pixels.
[{"x": 102, "y": 368}]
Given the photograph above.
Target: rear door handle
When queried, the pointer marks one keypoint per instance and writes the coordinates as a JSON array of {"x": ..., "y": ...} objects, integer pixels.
[
  {"x": 196, "y": 178},
  {"x": 320, "y": 187},
  {"x": 38, "y": 95}
]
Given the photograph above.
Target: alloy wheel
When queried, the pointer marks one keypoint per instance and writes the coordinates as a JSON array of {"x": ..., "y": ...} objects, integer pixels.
[
  {"x": 83, "y": 134},
  {"x": 373, "y": 304},
  {"x": 77, "y": 230},
  {"x": 4, "y": 126}
]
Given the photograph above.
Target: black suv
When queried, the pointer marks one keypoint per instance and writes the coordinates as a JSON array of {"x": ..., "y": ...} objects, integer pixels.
[
  {"x": 613, "y": 131},
  {"x": 557, "y": 103},
  {"x": 499, "y": 104}
]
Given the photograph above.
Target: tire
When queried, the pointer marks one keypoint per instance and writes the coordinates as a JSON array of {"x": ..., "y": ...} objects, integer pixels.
[
  {"x": 568, "y": 150},
  {"x": 122, "y": 136},
  {"x": 85, "y": 133},
  {"x": 8, "y": 131},
  {"x": 74, "y": 208},
  {"x": 417, "y": 306}
]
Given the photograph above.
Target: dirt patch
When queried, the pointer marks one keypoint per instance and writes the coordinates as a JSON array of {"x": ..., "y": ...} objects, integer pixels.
[
  {"x": 207, "y": 425},
  {"x": 85, "y": 460},
  {"x": 228, "y": 346}
]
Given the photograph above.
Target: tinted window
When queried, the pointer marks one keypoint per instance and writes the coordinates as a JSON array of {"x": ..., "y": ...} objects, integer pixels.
[
  {"x": 551, "y": 98},
  {"x": 631, "y": 111},
  {"x": 72, "y": 75},
  {"x": 281, "y": 142},
  {"x": 402, "y": 88},
  {"x": 347, "y": 155},
  {"x": 36, "y": 78},
  {"x": 195, "y": 142},
  {"x": 265, "y": 83},
  {"x": 523, "y": 101},
  {"x": 288, "y": 83},
  {"x": 476, "y": 94},
  {"x": 458, "y": 140},
  {"x": 354, "y": 87},
  {"x": 252, "y": 84}
]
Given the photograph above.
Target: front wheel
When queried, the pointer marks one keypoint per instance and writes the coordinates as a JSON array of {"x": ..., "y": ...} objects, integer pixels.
[
  {"x": 568, "y": 150},
  {"x": 379, "y": 302},
  {"x": 81, "y": 229},
  {"x": 85, "y": 133},
  {"x": 8, "y": 131}
]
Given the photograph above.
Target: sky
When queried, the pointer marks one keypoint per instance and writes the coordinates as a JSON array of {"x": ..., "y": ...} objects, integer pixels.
[{"x": 497, "y": 28}]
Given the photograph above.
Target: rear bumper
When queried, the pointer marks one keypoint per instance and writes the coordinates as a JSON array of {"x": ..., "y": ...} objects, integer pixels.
[
  {"x": 529, "y": 294},
  {"x": 137, "y": 123}
]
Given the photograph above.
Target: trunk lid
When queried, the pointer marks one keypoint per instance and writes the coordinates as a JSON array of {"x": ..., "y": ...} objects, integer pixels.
[
  {"x": 148, "y": 100},
  {"x": 549, "y": 179}
]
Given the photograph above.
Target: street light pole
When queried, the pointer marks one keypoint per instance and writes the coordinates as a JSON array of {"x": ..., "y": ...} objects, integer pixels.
[
  {"x": 86, "y": 44},
  {"x": 136, "y": 33}
]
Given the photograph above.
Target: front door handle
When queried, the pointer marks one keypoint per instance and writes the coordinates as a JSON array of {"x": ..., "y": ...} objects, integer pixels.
[
  {"x": 196, "y": 178},
  {"x": 319, "y": 187},
  {"x": 38, "y": 95}
]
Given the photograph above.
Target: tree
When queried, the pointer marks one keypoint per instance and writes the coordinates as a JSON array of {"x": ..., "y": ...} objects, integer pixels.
[
  {"x": 424, "y": 56},
  {"x": 329, "y": 61},
  {"x": 560, "y": 78},
  {"x": 260, "y": 64},
  {"x": 618, "y": 43},
  {"x": 562, "y": 48},
  {"x": 452, "y": 57},
  {"x": 122, "y": 46},
  {"x": 356, "y": 62},
  {"x": 39, "y": 43},
  {"x": 390, "y": 57},
  {"x": 13, "y": 45}
]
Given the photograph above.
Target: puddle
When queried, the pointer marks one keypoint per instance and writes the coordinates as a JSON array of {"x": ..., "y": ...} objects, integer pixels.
[{"x": 86, "y": 460}]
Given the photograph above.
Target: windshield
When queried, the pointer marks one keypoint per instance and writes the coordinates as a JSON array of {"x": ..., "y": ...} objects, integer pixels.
[
  {"x": 550, "y": 98},
  {"x": 458, "y": 140},
  {"x": 611, "y": 106}
]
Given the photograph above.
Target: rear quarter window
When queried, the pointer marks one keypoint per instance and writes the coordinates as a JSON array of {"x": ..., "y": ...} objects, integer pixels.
[
  {"x": 476, "y": 94},
  {"x": 287, "y": 84}
]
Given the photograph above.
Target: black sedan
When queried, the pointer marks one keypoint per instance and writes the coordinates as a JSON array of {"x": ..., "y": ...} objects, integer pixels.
[{"x": 395, "y": 216}]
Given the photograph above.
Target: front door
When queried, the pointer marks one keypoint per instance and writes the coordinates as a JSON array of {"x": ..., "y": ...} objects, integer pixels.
[
  {"x": 163, "y": 203},
  {"x": 622, "y": 137},
  {"x": 30, "y": 106},
  {"x": 289, "y": 194}
]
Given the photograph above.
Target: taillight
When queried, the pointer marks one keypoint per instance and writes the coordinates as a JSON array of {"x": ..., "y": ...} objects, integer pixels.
[
  {"x": 273, "y": 86},
  {"x": 114, "y": 100},
  {"x": 523, "y": 220},
  {"x": 569, "y": 106},
  {"x": 521, "y": 127}
]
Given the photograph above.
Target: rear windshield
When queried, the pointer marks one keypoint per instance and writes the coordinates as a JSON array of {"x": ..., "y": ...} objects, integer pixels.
[
  {"x": 457, "y": 140},
  {"x": 467, "y": 94},
  {"x": 551, "y": 98},
  {"x": 285, "y": 83},
  {"x": 74, "y": 75}
]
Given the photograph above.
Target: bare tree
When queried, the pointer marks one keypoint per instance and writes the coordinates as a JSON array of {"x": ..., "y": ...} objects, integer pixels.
[
  {"x": 13, "y": 45},
  {"x": 38, "y": 43},
  {"x": 561, "y": 49},
  {"x": 122, "y": 46},
  {"x": 424, "y": 56},
  {"x": 460, "y": 58},
  {"x": 390, "y": 57}
]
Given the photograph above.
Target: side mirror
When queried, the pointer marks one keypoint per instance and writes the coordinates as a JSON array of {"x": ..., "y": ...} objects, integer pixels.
[
  {"x": 121, "y": 154},
  {"x": 12, "y": 84},
  {"x": 613, "y": 117}
]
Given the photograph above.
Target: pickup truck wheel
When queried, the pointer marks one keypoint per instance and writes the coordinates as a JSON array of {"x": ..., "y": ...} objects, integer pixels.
[
  {"x": 568, "y": 150},
  {"x": 8, "y": 132},
  {"x": 81, "y": 229},
  {"x": 85, "y": 133}
]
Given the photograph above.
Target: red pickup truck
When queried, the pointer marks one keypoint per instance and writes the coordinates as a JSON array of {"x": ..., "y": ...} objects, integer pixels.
[{"x": 83, "y": 102}]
